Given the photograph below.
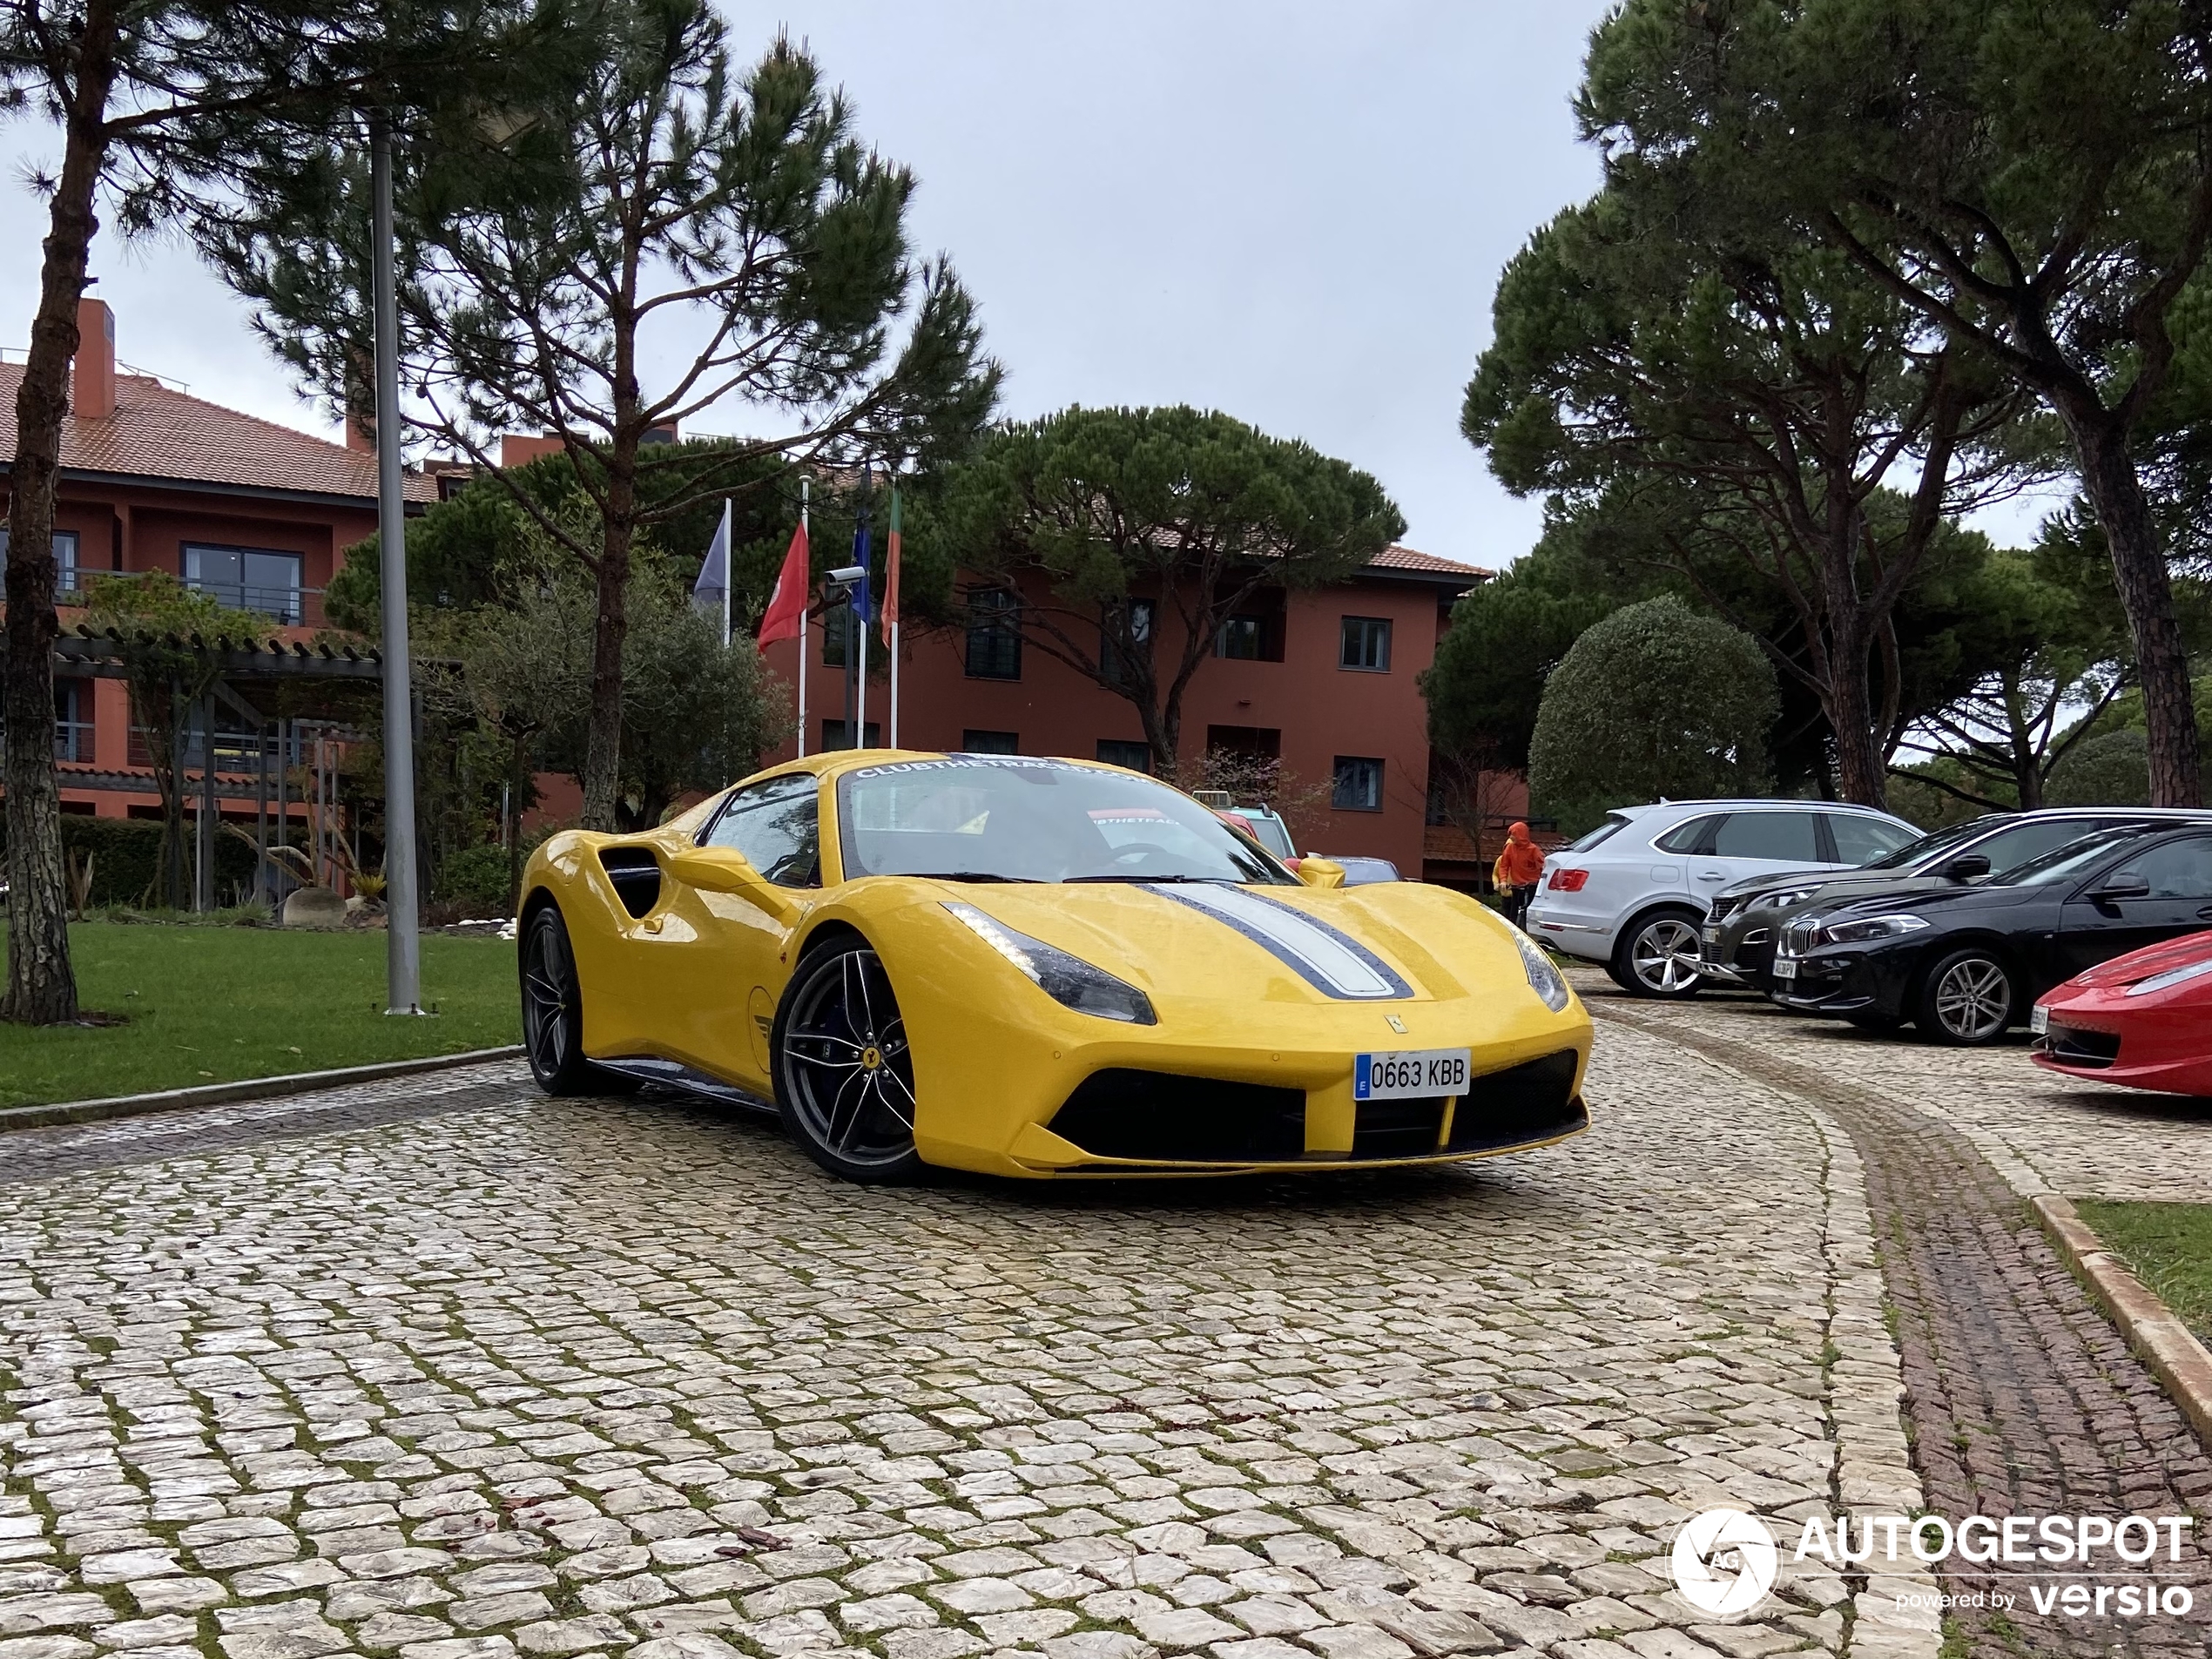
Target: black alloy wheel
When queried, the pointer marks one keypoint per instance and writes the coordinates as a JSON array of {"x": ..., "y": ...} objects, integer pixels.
[
  {"x": 1968, "y": 1000},
  {"x": 845, "y": 1079},
  {"x": 553, "y": 1007}
]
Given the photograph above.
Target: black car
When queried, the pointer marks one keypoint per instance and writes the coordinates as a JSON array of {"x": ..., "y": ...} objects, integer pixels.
[
  {"x": 1737, "y": 942},
  {"x": 1965, "y": 962}
]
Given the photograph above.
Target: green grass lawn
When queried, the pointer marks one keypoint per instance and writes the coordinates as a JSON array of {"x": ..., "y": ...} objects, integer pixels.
[
  {"x": 2168, "y": 1246},
  {"x": 207, "y": 1004}
]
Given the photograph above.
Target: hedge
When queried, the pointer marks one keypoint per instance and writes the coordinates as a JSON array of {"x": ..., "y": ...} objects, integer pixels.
[{"x": 126, "y": 854}]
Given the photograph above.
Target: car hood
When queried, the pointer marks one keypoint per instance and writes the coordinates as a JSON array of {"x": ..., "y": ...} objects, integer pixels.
[
  {"x": 1928, "y": 897},
  {"x": 1847, "y": 888},
  {"x": 1387, "y": 941},
  {"x": 1752, "y": 885}
]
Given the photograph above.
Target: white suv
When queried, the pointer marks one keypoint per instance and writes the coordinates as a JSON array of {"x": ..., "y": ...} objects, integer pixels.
[{"x": 1633, "y": 892}]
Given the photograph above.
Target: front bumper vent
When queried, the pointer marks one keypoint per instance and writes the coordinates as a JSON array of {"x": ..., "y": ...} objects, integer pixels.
[
  {"x": 1534, "y": 1101},
  {"x": 1162, "y": 1118},
  {"x": 1398, "y": 1128},
  {"x": 2091, "y": 1050}
]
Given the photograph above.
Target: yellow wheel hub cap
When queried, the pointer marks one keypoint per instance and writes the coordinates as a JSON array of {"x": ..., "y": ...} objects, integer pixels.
[{"x": 871, "y": 1058}]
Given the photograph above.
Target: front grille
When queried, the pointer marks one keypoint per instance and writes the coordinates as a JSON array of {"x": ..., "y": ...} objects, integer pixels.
[
  {"x": 1163, "y": 1117},
  {"x": 1534, "y": 1101},
  {"x": 1797, "y": 937},
  {"x": 1398, "y": 1129},
  {"x": 1723, "y": 908},
  {"x": 2091, "y": 1050}
]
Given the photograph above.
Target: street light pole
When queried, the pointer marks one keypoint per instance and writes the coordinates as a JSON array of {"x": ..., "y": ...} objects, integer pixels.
[{"x": 402, "y": 945}]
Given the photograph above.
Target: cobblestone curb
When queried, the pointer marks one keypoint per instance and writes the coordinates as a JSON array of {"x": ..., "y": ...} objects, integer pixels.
[
  {"x": 1873, "y": 1472},
  {"x": 2160, "y": 1338},
  {"x": 296, "y": 1082}
]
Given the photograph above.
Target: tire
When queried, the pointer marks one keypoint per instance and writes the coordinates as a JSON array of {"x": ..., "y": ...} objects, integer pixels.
[
  {"x": 1967, "y": 999},
  {"x": 553, "y": 1009},
  {"x": 1879, "y": 1024},
  {"x": 1650, "y": 959},
  {"x": 844, "y": 1073}
]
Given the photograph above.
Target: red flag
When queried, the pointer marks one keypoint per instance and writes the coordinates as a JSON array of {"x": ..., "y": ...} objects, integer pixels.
[
  {"x": 891, "y": 570},
  {"x": 786, "y": 613}
]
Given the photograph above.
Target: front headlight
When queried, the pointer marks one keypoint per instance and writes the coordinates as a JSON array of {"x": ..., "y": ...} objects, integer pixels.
[
  {"x": 1067, "y": 980},
  {"x": 1787, "y": 896},
  {"x": 1868, "y": 928},
  {"x": 2170, "y": 978},
  {"x": 1543, "y": 978}
]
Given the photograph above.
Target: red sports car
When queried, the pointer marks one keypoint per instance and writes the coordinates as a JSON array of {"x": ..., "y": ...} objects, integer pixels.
[{"x": 2144, "y": 1019}]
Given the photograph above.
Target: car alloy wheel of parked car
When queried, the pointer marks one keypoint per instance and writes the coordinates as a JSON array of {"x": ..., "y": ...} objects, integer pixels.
[
  {"x": 1657, "y": 956},
  {"x": 1968, "y": 1000},
  {"x": 844, "y": 1072}
]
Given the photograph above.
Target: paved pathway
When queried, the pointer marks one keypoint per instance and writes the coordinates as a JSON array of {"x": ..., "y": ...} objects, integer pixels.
[
  {"x": 2024, "y": 1399},
  {"x": 444, "y": 1369}
]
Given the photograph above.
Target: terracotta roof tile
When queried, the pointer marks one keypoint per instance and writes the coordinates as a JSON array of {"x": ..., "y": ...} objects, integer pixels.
[
  {"x": 159, "y": 433},
  {"x": 1405, "y": 558}
]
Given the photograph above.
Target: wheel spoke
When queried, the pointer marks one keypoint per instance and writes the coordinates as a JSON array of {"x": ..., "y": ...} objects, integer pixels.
[{"x": 842, "y": 1141}]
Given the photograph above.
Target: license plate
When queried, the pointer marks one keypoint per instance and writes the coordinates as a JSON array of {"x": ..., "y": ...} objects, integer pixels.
[
  {"x": 1785, "y": 967},
  {"x": 2039, "y": 1023},
  {"x": 1409, "y": 1073},
  {"x": 1712, "y": 935}
]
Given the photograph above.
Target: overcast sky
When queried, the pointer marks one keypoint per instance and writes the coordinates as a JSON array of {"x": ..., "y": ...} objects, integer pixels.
[{"x": 1292, "y": 212}]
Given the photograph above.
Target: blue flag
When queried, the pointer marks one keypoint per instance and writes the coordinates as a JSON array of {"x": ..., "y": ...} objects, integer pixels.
[{"x": 860, "y": 558}]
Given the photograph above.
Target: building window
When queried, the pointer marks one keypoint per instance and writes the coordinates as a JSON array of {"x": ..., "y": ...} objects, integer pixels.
[
  {"x": 1254, "y": 634},
  {"x": 994, "y": 636},
  {"x": 976, "y": 742},
  {"x": 72, "y": 720},
  {"x": 1114, "y": 663},
  {"x": 1366, "y": 644},
  {"x": 1137, "y": 757},
  {"x": 1252, "y": 742},
  {"x": 247, "y": 579},
  {"x": 64, "y": 558},
  {"x": 1358, "y": 786},
  {"x": 833, "y": 735}
]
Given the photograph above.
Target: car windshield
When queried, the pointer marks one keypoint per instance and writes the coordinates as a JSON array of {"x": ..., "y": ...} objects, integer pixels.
[
  {"x": 1012, "y": 817},
  {"x": 2062, "y": 862},
  {"x": 1927, "y": 847}
]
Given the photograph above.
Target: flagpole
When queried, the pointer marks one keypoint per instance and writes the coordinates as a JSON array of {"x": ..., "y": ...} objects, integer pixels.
[
  {"x": 857, "y": 732},
  {"x": 889, "y": 582},
  {"x": 805, "y": 624},
  {"x": 727, "y": 563}
]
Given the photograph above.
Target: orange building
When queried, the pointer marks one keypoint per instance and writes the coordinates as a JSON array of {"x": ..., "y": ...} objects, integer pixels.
[
  {"x": 1325, "y": 681},
  {"x": 255, "y": 514}
]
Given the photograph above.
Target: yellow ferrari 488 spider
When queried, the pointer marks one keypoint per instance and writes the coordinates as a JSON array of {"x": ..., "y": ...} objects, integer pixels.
[{"x": 1029, "y": 967}]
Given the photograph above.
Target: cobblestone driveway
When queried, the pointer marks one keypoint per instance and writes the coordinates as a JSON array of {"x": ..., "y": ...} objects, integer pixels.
[{"x": 559, "y": 1378}]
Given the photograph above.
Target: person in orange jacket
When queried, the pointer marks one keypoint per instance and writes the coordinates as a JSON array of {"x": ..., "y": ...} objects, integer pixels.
[{"x": 1516, "y": 873}]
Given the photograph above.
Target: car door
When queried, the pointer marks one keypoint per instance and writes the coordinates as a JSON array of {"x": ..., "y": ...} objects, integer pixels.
[
  {"x": 715, "y": 962},
  {"x": 1752, "y": 843},
  {"x": 2157, "y": 893}
]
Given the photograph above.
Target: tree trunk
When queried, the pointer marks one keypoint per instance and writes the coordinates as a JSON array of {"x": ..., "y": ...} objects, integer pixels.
[
  {"x": 1862, "y": 776},
  {"x": 603, "y": 743},
  {"x": 41, "y": 988},
  {"x": 2115, "y": 493}
]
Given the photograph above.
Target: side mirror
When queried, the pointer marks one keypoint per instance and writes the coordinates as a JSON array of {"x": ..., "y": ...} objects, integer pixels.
[
  {"x": 2128, "y": 884},
  {"x": 724, "y": 869},
  {"x": 1968, "y": 867},
  {"x": 1317, "y": 871}
]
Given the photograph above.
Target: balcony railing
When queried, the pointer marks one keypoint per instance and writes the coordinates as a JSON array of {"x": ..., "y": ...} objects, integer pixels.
[{"x": 284, "y": 607}]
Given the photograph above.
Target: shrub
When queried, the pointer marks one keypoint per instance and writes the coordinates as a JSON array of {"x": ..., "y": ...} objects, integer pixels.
[
  {"x": 1654, "y": 700},
  {"x": 2110, "y": 771}
]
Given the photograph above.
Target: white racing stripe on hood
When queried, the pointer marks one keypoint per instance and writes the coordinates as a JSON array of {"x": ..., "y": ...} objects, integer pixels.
[{"x": 1324, "y": 958}]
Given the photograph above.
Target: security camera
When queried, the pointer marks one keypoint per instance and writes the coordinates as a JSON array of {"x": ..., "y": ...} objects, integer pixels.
[{"x": 846, "y": 575}]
